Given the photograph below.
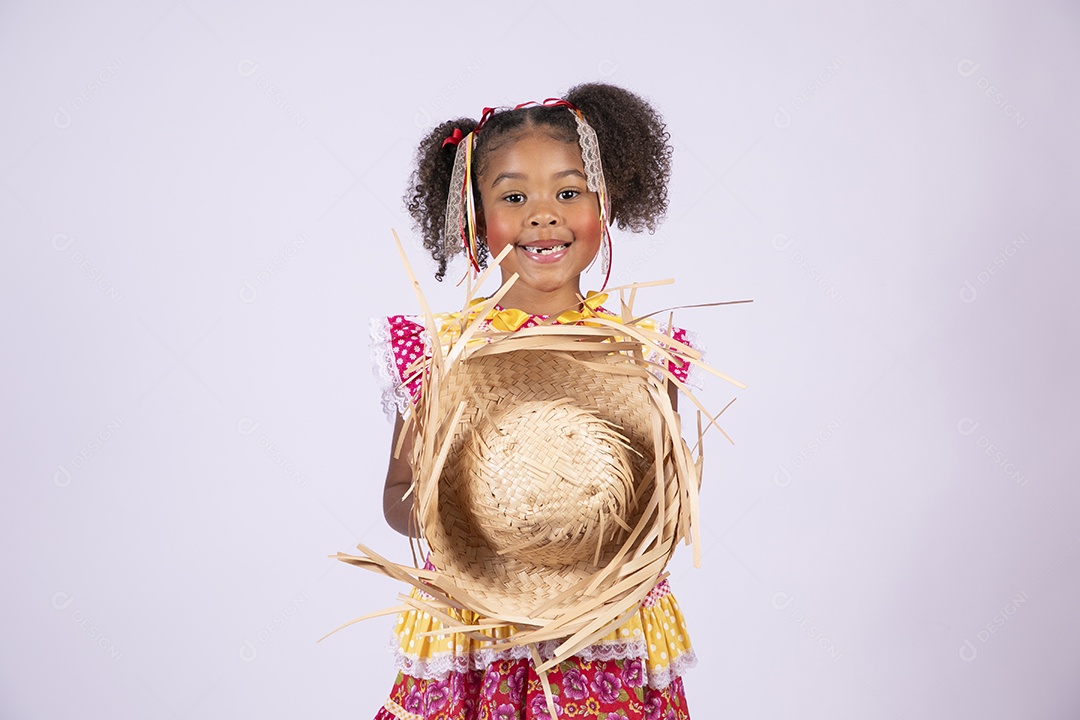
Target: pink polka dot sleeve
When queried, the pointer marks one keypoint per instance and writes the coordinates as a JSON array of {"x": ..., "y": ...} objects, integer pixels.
[
  {"x": 397, "y": 341},
  {"x": 687, "y": 373}
]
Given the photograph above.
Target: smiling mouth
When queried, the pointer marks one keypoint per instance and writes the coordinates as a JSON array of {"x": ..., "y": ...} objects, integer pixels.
[{"x": 535, "y": 250}]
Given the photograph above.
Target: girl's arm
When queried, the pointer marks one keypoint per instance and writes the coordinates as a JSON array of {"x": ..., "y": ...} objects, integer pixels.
[{"x": 398, "y": 479}]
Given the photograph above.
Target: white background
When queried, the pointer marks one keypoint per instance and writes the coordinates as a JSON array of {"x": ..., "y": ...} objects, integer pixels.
[{"x": 196, "y": 203}]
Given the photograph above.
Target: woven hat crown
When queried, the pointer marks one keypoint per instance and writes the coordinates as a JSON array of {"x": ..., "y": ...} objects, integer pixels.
[
  {"x": 552, "y": 483},
  {"x": 545, "y": 446}
]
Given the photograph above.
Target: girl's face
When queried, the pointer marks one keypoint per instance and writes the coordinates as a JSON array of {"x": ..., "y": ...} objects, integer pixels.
[{"x": 534, "y": 197}]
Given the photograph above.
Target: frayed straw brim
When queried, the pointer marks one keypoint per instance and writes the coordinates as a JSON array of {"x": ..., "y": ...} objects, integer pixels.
[{"x": 551, "y": 480}]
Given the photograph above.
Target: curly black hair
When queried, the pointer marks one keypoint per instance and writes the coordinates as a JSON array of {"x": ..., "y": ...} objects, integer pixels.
[{"x": 634, "y": 150}]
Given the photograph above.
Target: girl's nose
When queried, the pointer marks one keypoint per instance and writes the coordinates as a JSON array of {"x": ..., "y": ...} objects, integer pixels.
[{"x": 543, "y": 214}]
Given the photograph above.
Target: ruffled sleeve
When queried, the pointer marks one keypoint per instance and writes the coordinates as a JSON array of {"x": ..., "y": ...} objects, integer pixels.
[
  {"x": 686, "y": 372},
  {"x": 396, "y": 342}
]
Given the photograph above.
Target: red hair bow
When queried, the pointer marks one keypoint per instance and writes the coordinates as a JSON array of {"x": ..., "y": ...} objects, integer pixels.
[{"x": 454, "y": 138}]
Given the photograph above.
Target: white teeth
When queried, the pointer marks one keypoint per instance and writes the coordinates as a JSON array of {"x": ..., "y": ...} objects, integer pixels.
[{"x": 546, "y": 251}]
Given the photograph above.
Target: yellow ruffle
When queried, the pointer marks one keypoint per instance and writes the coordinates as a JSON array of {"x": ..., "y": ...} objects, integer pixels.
[
  {"x": 656, "y": 633},
  {"x": 511, "y": 320}
]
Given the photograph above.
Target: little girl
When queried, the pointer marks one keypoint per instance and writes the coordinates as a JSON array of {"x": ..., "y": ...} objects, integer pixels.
[{"x": 546, "y": 179}]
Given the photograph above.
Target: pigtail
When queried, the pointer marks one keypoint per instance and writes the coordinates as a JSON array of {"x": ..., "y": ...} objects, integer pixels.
[
  {"x": 635, "y": 151},
  {"x": 429, "y": 186}
]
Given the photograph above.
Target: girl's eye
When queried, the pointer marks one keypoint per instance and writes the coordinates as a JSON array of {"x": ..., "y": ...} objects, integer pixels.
[
  {"x": 514, "y": 198},
  {"x": 568, "y": 194}
]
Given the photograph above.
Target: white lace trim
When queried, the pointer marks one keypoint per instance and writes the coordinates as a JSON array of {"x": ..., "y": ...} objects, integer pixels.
[
  {"x": 695, "y": 377},
  {"x": 440, "y": 666},
  {"x": 660, "y": 679},
  {"x": 695, "y": 374},
  {"x": 395, "y": 396},
  {"x": 627, "y": 650},
  {"x": 590, "y": 156},
  {"x": 455, "y": 221}
]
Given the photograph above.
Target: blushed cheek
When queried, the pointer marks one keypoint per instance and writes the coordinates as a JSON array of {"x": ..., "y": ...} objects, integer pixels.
[
  {"x": 593, "y": 233},
  {"x": 497, "y": 238}
]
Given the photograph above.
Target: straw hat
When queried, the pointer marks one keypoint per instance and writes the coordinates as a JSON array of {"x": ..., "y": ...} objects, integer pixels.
[
  {"x": 550, "y": 478},
  {"x": 546, "y": 474},
  {"x": 551, "y": 481}
]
